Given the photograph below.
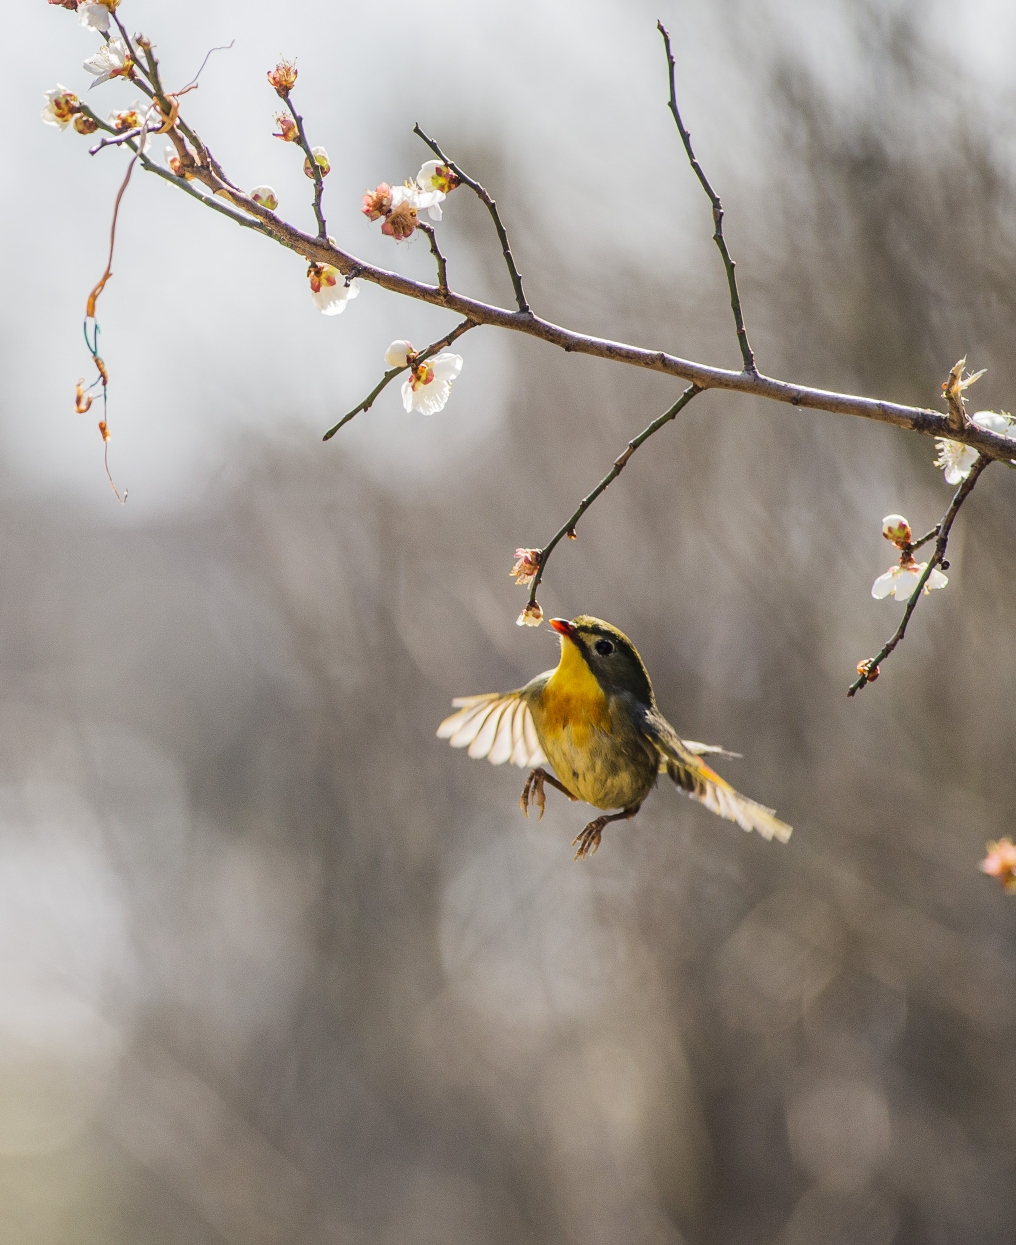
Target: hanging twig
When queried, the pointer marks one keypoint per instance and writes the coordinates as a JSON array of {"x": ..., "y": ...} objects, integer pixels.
[{"x": 868, "y": 671}]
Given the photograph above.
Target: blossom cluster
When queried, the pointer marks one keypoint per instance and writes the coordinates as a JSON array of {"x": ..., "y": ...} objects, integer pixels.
[
  {"x": 901, "y": 581},
  {"x": 398, "y": 207}
]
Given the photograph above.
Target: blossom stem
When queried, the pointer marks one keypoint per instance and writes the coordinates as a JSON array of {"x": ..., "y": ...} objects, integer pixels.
[
  {"x": 747, "y": 353},
  {"x": 936, "y": 559},
  {"x": 491, "y": 206},
  {"x": 390, "y": 375},
  {"x": 435, "y": 250},
  {"x": 319, "y": 181},
  {"x": 568, "y": 528}
]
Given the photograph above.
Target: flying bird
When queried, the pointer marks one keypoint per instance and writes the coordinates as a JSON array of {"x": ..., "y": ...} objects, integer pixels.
[{"x": 595, "y": 721}]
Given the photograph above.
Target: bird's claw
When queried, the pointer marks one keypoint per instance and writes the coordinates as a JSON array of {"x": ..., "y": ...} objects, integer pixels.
[
  {"x": 589, "y": 840},
  {"x": 532, "y": 793}
]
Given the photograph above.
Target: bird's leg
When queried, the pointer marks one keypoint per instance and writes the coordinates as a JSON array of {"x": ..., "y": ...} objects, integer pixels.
[
  {"x": 532, "y": 792},
  {"x": 589, "y": 840}
]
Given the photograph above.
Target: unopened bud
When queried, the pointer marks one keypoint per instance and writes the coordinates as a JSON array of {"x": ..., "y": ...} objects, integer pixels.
[
  {"x": 84, "y": 124},
  {"x": 320, "y": 159},
  {"x": 400, "y": 354},
  {"x": 266, "y": 197},
  {"x": 897, "y": 529},
  {"x": 869, "y": 671}
]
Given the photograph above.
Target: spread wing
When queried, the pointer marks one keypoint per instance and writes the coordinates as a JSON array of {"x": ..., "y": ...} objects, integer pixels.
[
  {"x": 497, "y": 726},
  {"x": 692, "y": 775}
]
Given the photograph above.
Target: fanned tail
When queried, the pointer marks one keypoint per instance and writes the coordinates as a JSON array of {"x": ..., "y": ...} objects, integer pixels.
[{"x": 702, "y": 784}]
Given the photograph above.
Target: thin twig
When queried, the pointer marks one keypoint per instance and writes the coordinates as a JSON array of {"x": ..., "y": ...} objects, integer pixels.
[
  {"x": 226, "y": 47},
  {"x": 735, "y": 300},
  {"x": 93, "y": 298},
  {"x": 477, "y": 189},
  {"x": 435, "y": 250},
  {"x": 568, "y": 529},
  {"x": 937, "y": 559},
  {"x": 319, "y": 182},
  {"x": 390, "y": 375}
]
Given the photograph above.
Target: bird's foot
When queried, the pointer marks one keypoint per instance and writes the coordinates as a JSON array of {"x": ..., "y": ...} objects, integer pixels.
[
  {"x": 532, "y": 793},
  {"x": 588, "y": 841}
]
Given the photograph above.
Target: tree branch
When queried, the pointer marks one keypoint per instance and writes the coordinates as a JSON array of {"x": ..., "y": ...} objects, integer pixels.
[
  {"x": 477, "y": 189},
  {"x": 914, "y": 419},
  {"x": 868, "y": 670},
  {"x": 568, "y": 529},
  {"x": 435, "y": 250},
  {"x": 390, "y": 375},
  {"x": 735, "y": 300}
]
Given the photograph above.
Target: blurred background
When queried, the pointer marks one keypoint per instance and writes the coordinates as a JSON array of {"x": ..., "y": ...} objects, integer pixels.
[{"x": 276, "y": 966}]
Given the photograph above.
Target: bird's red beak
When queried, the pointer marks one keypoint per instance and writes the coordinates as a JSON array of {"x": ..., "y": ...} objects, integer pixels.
[{"x": 564, "y": 627}]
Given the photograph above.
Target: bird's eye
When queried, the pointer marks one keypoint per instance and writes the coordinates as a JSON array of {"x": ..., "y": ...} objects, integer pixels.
[{"x": 604, "y": 648}]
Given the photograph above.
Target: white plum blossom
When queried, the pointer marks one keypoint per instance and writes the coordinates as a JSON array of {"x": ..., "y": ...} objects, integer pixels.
[
  {"x": 112, "y": 60},
  {"x": 434, "y": 175},
  {"x": 957, "y": 459},
  {"x": 61, "y": 105},
  {"x": 901, "y": 581},
  {"x": 329, "y": 290},
  {"x": 429, "y": 384},
  {"x": 418, "y": 198},
  {"x": 94, "y": 14}
]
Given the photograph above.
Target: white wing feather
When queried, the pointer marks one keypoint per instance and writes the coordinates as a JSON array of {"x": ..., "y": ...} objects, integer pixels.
[{"x": 496, "y": 726}]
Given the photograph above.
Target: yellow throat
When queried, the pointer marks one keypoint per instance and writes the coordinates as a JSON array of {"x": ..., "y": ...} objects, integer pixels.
[{"x": 572, "y": 697}]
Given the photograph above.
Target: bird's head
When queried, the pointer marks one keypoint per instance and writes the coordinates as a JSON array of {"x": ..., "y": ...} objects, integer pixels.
[{"x": 611, "y": 657}]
